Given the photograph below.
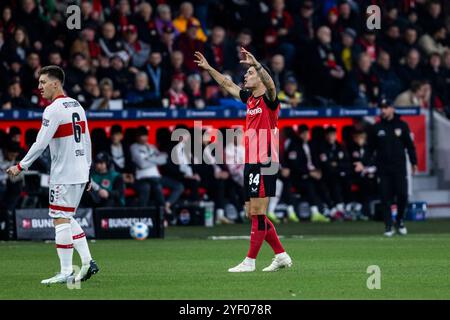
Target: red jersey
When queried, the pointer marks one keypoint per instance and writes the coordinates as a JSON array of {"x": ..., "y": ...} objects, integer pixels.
[{"x": 261, "y": 128}]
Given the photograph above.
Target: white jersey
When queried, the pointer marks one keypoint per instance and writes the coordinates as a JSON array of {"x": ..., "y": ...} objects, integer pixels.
[{"x": 64, "y": 127}]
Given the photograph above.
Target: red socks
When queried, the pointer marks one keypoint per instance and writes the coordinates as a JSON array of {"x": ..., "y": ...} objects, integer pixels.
[
  {"x": 272, "y": 238},
  {"x": 263, "y": 229}
]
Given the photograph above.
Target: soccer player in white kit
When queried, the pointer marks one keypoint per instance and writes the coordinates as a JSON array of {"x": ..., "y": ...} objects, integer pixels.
[{"x": 64, "y": 127}]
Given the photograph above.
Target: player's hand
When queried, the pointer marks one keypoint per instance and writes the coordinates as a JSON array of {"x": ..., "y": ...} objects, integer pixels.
[
  {"x": 89, "y": 187},
  {"x": 13, "y": 171},
  {"x": 249, "y": 58},
  {"x": 415, "y": 169},
  {"x": 316, "y": 174},
  {"x": 201, "y": 61}
]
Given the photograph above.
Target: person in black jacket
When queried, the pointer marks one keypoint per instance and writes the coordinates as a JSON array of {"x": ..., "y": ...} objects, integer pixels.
[
  {"x": 335, "y": 166},
  {"x": 363, "y": 172},
  {"x": 301, "y": 171},
  {"x": 391, "y": 136}
]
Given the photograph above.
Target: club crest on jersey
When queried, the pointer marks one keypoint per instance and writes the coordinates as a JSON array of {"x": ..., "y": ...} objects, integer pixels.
[
  {"x": 355, "y": 154},
  {"x": 398, "y": 132},
  {"x": 253, "y": 112},
  {"x": 292, "y": 155},
  {"x": 323, "y": 157},
  {"x": 45, "y": 122},
  {"x": 381, "y": 133}
]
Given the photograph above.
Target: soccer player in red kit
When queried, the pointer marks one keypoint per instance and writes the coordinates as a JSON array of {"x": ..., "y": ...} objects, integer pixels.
[{"x": 261, "y": 155}]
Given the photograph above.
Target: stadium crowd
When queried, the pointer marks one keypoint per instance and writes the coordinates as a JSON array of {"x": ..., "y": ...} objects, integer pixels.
[
  {"x": 132, "y": 53},
  {"x": 139, "y": 54}
]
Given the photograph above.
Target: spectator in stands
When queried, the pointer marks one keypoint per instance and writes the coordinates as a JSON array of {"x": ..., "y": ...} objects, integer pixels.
[
  {"x": 107, "y": 184},
  {"x": 446, "y": 71},
  {"x": 389, "y": 82},
  {"x": 76, "y": 73},
  {"x": 90, "y": 91},
  {"x": 415, "y": 96},
  {"x": 433, "y": 17},
  {"x": 301, "y": 170},
  {"x": 220, "y": 51},
  {"x": 278, "y": 70},
  {"x": 278, "y": 33},
  {"x": 348, "y": 18},
  {"x": 122, "y": 17},
  {"x": 324, "y": 69},
  {"x": 16, "y": 47},
  {"x": 368, "y": 44},
  {"x": 347, "y": 50},
  {"x": 14, "y": 99},
  {"x": 179, "y": 166},
  {"x": 29, "y": 18},
  {"x": 363, "y": 172},
  {"x": 89, "y": 17},
  {"x": 137, "y": 50},
  {"x": 305, "y": 24},
  {"x": 364, "y": 84},
  {"x": 195, "y": 91},
  {"x": 7, "y": 23},
  {"x": 15, "y": 135},
  {"x": 167, "y": 44},
  {"x": 436, "y": 75},
  {"x": 146, "y": 158},
  {"x": 10, "y": 187},
  {"x": 435, "y": 41},
  {"x": 140, "y": 95},
  {"x": 120, "y": 154},
  {"x": 106, "y": 100},
  {"x": 164, "y": 19},
  {"x": 186, "y": 18},
  {"x": 411, "y": 70},
  {"x": 177, "y": 97},
  {"x": 177, "y": 65},
  {"x": 54, "y": 57},
  {"x": 391, "y": 43},
  {"x": 87, "y": 45},
  {"x": 335, "y": 166},
  {"x": 409, "y": 41},
  {"x": 145, "y": 24},
  {"x": 158, "y": 77},
  {"x": 110, "y": 44},
  {"x": 213, "y": 176},
  {"x": 31, "y": 73},
  {"x": 290, "y": 96},
  {"x": 188, "y": 44},
  {"x": 121, "y": 76}
]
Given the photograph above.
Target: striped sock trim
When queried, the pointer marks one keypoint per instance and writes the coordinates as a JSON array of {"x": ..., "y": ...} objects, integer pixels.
[
  {"x": 64, "y": 246},
  {"x": 79, "y": 236}
]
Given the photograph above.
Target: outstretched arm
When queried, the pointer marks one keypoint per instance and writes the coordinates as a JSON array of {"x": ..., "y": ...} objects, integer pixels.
[
  {"x": 222, "y": 80},
  {"x": 262, "y": 73}
]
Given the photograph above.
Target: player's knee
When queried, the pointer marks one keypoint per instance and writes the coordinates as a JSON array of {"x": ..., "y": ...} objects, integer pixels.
[{"x": 58, "y": 221}]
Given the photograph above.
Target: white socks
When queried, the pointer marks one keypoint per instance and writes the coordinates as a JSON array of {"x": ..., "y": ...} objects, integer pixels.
[
  {"x": 314, "y": 210},
  {"x": 80, "y": 242},
  {"x": 64, "y": 247}
]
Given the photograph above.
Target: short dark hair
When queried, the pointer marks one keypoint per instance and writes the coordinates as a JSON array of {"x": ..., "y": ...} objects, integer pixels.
[{"x": 53, "y": 72}]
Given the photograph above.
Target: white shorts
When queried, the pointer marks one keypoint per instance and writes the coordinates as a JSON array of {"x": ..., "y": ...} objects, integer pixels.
[{"x": 64, "y": 199}]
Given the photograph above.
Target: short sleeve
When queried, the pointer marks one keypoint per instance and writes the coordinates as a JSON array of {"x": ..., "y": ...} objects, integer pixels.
[
  {"x": 244, "y": 95},
  {"x": 273, "y": 105}
]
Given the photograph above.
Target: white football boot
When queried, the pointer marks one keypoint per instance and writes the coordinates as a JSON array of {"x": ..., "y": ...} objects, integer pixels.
[
  {"x": 59, "y": 278},
  {"x": 244, "y": 266},
  {"x": 280, "y": 261}
]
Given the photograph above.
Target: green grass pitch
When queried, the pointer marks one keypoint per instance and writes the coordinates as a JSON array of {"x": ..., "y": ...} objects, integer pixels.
[{"x": 330, "y": 262}]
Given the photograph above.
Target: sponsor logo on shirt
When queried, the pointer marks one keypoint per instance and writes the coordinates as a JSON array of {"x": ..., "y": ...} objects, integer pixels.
[{"x": 253, "y": 112}]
